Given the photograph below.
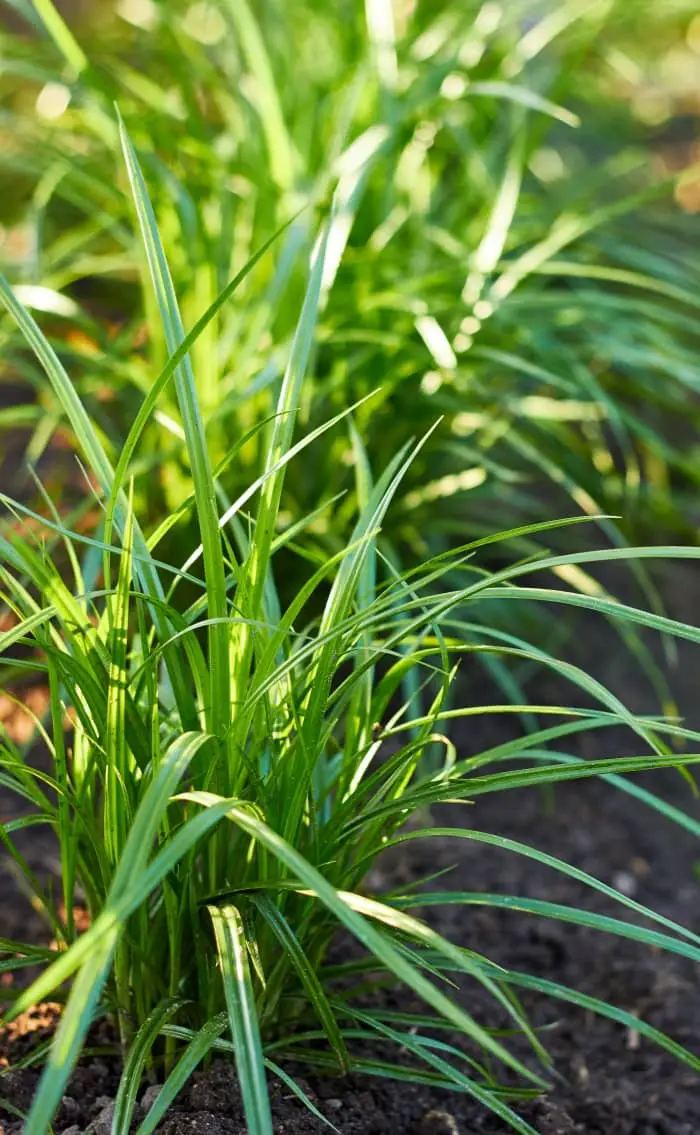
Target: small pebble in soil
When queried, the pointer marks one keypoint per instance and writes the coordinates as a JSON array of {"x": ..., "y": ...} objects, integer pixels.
[
  {"x": 102, "y": 1123},
  {"x": 69, "y": 1107},
  {"x": 639, "y": 867},
  {"x": 626, "y": 883},
  {"x": 553, "y": 1120},
  {"x": 438, "y": 1123},
  {"x": 149, "y": 1097}
]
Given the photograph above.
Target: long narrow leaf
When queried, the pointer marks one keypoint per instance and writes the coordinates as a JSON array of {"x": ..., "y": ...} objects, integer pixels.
[{"x": 242, "y": 1014}]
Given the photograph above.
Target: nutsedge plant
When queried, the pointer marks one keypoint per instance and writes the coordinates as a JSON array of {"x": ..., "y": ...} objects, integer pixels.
[{"x": 236, "y": 763}]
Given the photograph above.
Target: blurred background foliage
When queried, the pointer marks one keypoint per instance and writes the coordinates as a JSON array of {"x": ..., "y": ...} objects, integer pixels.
[{"x": 516, "y": 250}]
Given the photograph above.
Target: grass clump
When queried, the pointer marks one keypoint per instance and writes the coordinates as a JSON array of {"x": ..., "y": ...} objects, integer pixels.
[
  {"x": 238, "y": 759},
  {"x": 496, "y": 257}
]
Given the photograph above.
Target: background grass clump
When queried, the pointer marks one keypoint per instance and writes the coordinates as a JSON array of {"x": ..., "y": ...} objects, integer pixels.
[
  {"x": 506, "y": 252},
  {"x": 365, "y": 316}
]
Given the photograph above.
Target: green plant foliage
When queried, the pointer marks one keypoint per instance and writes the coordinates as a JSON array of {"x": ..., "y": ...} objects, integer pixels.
[
  {"x": 241, "y": 756},
  {"x": 495, "y": 256}
]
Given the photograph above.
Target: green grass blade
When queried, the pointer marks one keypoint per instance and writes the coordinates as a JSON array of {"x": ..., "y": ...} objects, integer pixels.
[
  {"x": 201, "y": 1044},
  {"x": 243, "y": 1019},
  {"x": 298, "y": 1091},
  {"x": 117, "y": 804},
  {"x": 560, "y": 865},
  {"x": 604, "y": 1009},
  {"x": 70, "y": 1035},
  {"x": 283, "y": 430},
  {"x": 61, "y": 35},
  {"x": 558, "y": 911},
  {"x": 489, "y": 1099},
  {"x": 135, "y": 1063},
  {"x": 66, "y": 833},
  {"x": 150, "y": 401},
  {"x": 314, "y": 990},
  {"x": 525, "y": 97},
  {"x": 205, "y": 494},
  {"x": 280, "y": 147}
]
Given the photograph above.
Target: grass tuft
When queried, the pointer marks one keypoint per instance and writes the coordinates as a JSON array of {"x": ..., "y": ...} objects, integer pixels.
[{"x": 309, "y": 509}]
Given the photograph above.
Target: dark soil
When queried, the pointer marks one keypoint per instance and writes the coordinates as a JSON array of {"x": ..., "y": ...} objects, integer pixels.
[{"x": 607, "y": 1080}]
